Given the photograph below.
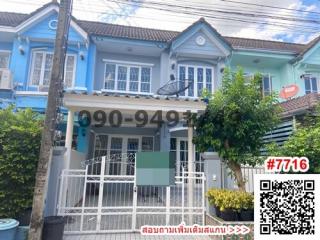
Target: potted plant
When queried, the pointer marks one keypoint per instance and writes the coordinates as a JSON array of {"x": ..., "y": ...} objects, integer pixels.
[
  {"x": 211, "y": 195},
  {"x": 230, "y": 206},
  {"x": 225, "y": 202},
  {"x": 247, "y": 203}
]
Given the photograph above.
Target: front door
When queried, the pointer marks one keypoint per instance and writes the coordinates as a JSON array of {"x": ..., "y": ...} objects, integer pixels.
[
  {"x": 119, "y": 164},
  {"x": 180, "y": 147},
  {"x": 119, "y": 150}
]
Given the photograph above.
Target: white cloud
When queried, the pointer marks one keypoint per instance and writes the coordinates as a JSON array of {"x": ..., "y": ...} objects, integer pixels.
[{"x": 146, "y": 17}]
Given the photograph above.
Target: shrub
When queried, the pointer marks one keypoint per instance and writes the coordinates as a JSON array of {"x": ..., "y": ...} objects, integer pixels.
[
  {"x": 20, "y": 136},
  {"x": 230, "y": 199}
]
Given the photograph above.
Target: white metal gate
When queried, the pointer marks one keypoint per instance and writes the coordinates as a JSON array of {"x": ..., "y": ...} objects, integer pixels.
[{"x": 95, "y": 202}]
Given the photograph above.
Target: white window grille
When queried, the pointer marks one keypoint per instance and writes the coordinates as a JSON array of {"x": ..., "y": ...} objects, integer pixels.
[
  {"x": 127, "y": 78},
  {"x": 41, "y": 69},
  {"x": 197, "y": 77}
]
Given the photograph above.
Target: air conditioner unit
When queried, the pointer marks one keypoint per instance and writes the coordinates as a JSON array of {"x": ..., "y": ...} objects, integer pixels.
[
  {"x": 43, "y": 88},
  {"x": 5, "y": 79}
]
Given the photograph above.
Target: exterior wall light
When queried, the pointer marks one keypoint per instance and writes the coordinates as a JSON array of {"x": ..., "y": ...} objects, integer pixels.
[
  {"x": 81, "y": 54},
  {"x": 21, "y": 50}
]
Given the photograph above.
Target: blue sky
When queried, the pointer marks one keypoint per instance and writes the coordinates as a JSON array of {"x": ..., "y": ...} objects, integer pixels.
[
  {"x": 297, "y": 37},
  {"x": 108, "y": 11}
]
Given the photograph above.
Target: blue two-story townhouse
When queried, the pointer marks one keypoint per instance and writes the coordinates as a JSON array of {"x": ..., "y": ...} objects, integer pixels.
[{"x": 113, "y": 72}]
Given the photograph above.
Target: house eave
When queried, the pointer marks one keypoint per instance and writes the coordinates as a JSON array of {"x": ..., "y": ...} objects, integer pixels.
[{"x": 78, "y": 102}]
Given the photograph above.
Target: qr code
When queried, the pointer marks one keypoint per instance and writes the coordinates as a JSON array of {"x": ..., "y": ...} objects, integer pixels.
[{"x": 286, "y": 204}]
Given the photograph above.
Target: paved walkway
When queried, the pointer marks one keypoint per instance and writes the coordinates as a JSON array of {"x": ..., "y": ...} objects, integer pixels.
[{"x": 131, "y": 236}]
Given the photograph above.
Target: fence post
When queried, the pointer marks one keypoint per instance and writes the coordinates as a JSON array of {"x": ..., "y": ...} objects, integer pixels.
[
  {"x": 61, "y": 200},
  {"x": 182, "y": 200},
  {"x": 203, "y": 178},
  {"x": 168, "y": 206},
  {"x": 83, "y": 198},
  {"x": 135, "y": 196},
  {"x": 102, "y": 173}
]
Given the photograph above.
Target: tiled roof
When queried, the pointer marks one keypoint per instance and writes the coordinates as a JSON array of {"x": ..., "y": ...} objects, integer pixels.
[
  {"x": 120, "y": 31},
  {"x": 114, "y": 30},
  {"x": 249, "y": 43},
  {"x": 307, "y": 47},
  {"x": 12, "y": 19},
  {"x": 299, "y": 104}
]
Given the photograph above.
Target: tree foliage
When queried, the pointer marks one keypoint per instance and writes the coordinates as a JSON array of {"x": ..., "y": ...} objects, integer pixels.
[
  {"x": 20, "y": 135},
  {"x": 235, "y": 120},
  {"x": 305, "y": 142}
]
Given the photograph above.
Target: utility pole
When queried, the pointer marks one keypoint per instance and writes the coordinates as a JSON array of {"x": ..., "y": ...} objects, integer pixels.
[{"x": 48, "y": 133}]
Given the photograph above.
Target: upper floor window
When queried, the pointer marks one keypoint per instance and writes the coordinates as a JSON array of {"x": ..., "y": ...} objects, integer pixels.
[
  {"x": 127, "y": 78},
  {"x": 266, "y": 84},
  {"x": 4, "y": 59},
  {"x": 199, "y": 78},
  {"x": 311, "y": 84},
  {"x": 42, "y": 65}
]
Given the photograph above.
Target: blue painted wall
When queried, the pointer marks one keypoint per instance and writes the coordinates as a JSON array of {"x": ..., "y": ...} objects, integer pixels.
[{"x": 42, "y": 30}]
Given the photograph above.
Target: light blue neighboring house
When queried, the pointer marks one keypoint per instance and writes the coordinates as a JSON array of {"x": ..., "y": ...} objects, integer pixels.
[{"x": 112, "y": 67}]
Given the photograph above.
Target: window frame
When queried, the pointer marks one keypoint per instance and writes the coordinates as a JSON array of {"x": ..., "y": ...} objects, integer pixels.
[
  {"x": 44, "y": 52},
  {"x": 123, "y": 137},
  {"x": 9, "y": 58},
  {"x": 195, "y": 75},
  {"x": 249, "y": 77},
  {"x": 310, "y": 76},
  {"x": 127, "y": 65},
  {"x": 270, "y": 83}
]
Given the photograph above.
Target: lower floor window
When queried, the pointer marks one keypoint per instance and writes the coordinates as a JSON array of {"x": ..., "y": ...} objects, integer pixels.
[{"x": 118, "y": 150}]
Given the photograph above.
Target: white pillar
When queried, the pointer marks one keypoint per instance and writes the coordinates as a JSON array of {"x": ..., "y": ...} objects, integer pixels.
[
  {"x": 190, "y": 175},
  {"x": 69, "y": 138}
]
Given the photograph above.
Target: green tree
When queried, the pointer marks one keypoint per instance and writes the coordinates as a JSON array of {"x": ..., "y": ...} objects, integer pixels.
[
  {"x": 20, "y": 134},
  {"x": 235, "y": 120},
  {"x": 305, "y": 142}
]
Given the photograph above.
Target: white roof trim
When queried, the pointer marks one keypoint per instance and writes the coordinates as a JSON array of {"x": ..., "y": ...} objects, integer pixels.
[
  {"x": 41, "y": 14},
  {"x": 176, "y": 129},
  {"x": 128, "y": 62},
  {"x": 7, "y": 29},
  {"x": 31, "y": 93},
  {"x": 79, "y": 102}
]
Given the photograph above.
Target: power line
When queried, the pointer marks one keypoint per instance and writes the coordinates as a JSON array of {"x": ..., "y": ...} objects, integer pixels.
[
  {"x": 222, "y": 21},
  {"x": 286, "y": 25},
  {"x": 254, "y": 10},
  {"x": 235, "y": 24},
  {"x": 256, "y": 15},
  {"x": 180, "y": 7},
  {"x": 268, "y": 6}
]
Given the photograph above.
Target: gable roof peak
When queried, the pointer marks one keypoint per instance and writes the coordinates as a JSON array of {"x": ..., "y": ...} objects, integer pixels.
[{"x": 307, "y": 48}]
